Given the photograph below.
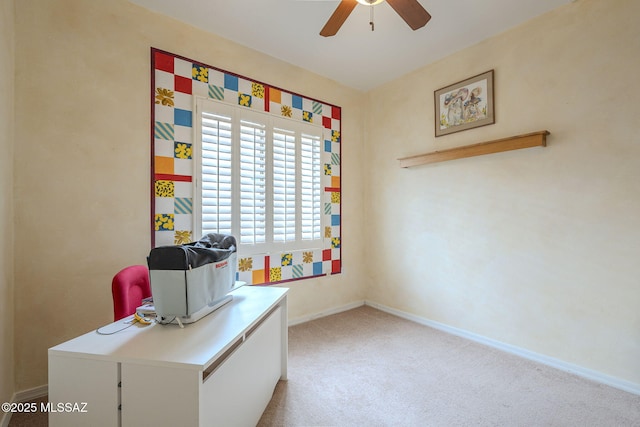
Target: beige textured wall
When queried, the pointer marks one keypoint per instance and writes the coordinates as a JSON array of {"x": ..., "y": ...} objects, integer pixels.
[
  {"x": 82, "y": 162},
  {"x": 537, "y": 248},
  {"x": 6, "y": 200}
]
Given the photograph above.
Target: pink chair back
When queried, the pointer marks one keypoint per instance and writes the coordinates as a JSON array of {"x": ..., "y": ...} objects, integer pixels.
[{"x": 128, "y": 288}]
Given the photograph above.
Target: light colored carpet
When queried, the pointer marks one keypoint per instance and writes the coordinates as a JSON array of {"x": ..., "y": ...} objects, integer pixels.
[
  {"x": 368, "y": 368},
  {"x": 365, "y": 367}
]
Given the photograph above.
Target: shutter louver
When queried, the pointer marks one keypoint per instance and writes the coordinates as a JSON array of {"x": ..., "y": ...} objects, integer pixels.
[
  {"x": 311, "y": 188},
  {"x": 284, "y": 186},
  {"x": 252, "y": 183},
  {"x": 216, "y": 173}
]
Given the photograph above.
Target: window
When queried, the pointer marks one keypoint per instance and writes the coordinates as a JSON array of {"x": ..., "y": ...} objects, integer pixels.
[
  {"x": 258, "y": 178},
  {"x": 223, "y": 155}
]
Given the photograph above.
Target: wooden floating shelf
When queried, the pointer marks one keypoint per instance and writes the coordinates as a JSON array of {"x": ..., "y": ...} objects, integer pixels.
[{"x": 535, "y": 139}]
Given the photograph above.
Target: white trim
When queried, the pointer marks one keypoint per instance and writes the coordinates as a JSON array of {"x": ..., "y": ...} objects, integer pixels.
[
  {"x": 24, "y": 396},
  {"x": 589, "y": 374},
  {"x": 320, "y": 314},
  {"x": 32, "y": 393}
]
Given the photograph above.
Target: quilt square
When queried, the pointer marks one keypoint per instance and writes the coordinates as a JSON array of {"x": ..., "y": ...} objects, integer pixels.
[
  {"x": 163, "y": 238},
  {"x": 183, "y": 167},
  {"x": 183, "y": 189},
  {"x": 307, "y": 116},
  {"x": 257, "y": 277},
  {"x": 231, "y": 82},
  {"x": 163, "y": 130},
  {"x": 184, "y": 101},
  {"x": 317, "y": 268},
  {"x": 199, "y": 89},
  {"x": 244, "y": 100},
  {"x": 216, "y": 77},
  {"x": 216, "y": 92},
  {"x": 163, "y": 165},
  {"x": 296, "y": 102},
  {"x": 317, "y": 108},
  {"x": 163, "y": 147},
  {"x": 183, "y": 150},
  {"x": 335, "y": 113},
  {"x": 163, "y": 62},
  {"x": 245, "y": 264},
  {"x": 183, "y": 205},
  {"x": 164, "y": 205},
  {"x": 275, "y": 95},
  {"x": 182, "y": 117},
  {"x": 164, "y": 222},
  {"x": 326, "y": 122},
  {"x": 182, "y": 221},
  {"x": 164, "y": 114},
  {"x": 336, "y": 266},
  {"x": 182, "y": 84},
  {"x": 182, "y": 68},
  {"x": 164, "y": 188},
  {"x": 180, "y": 237},
  {"x": 183, "y": 133},
  {"x": 200, "y": 73},
  {"x": 164, "y": 96}
]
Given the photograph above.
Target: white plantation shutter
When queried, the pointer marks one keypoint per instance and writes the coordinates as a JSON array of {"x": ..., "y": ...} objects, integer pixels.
[
  {"x": 284, "y": 185},
  {"x": 253, "y": 182},
  {"x": 310, "y": 194},
  {"x": 216, "y": 174},
  {"x": 257, "y": 177}
]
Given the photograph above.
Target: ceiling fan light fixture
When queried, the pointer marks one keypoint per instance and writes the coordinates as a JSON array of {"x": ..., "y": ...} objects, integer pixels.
[{"x": 369, "y": 2}]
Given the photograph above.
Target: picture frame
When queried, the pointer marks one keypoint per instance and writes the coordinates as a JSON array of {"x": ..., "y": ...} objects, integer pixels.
[{"x": 464, "y": 105}]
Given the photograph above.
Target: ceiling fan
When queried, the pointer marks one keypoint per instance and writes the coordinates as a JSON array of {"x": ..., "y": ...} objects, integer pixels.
[{"x": 410, "y": 11}]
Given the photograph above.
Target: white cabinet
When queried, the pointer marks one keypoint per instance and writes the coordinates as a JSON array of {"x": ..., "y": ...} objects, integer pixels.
[{"x": 221, "y": 370}]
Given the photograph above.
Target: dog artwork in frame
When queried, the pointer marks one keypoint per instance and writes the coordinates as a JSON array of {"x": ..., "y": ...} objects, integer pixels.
[{"x": 464, "y": 105}]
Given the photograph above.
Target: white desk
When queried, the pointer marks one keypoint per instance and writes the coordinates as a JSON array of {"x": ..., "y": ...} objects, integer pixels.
[{"x": 220, "y": 370}]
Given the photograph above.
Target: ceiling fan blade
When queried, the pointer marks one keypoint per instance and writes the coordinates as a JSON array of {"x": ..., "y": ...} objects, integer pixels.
[
  {"x": 411, "y": 11},
  {"x": 336, "y": 20}
]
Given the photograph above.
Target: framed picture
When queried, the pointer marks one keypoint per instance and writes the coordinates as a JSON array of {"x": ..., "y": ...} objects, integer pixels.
[{"x": 465, "y": 105}]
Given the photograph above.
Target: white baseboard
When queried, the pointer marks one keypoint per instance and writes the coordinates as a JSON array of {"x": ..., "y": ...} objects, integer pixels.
[
  {"x": 318, "y": 315},
  {"x": 24, "y": 396},
  {"x": 30, "y": 394},
  {"x": 592, "y": 375}
]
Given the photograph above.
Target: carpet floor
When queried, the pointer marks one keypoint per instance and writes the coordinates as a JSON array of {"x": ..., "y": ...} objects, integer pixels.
[{"x": 365, "y": 367}]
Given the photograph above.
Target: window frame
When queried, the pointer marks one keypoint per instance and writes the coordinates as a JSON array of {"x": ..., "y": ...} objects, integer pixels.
[{"x": 237, "y": 114}]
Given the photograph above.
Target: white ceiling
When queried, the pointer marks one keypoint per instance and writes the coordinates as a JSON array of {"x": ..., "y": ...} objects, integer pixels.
[{"x": 356, "y": 57}]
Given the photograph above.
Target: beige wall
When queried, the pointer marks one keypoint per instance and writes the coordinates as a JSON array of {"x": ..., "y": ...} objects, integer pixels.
[
  {"x": 6, "y": 200},
  {"x": 82, "y": 162},
  {"x": 537, "y": 248}
]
